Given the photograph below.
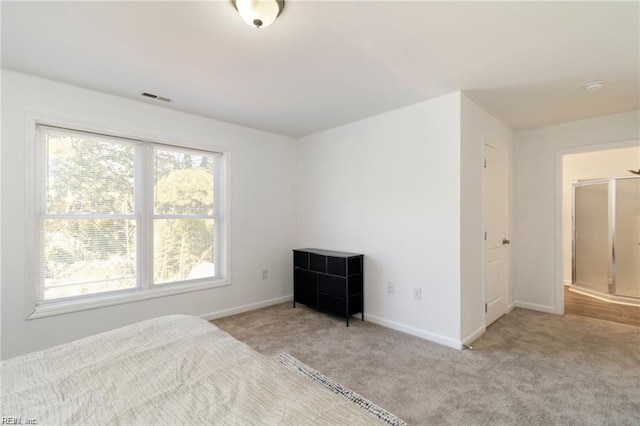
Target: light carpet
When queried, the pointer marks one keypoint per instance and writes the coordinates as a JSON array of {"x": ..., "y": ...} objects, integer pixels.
[
  {"x": 529, "y": 368},
  {"x": 302, "y": 369}
]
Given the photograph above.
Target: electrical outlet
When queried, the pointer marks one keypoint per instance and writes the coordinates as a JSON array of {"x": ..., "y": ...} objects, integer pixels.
[
  {"x": 391, "y": 287},
  {"x": 265, "y": 274},
  {"x": 417, "y": 293}
]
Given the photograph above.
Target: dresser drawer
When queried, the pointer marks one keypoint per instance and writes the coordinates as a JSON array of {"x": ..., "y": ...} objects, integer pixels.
[
  {"x": 337, "y": 266},
  {"x": 335, "y": 286},
  {"x": 317, "y": 262},
  {"x": 307, "y": 298},
  {"x": 305, "y": 280},
  {"x": 305, "y": 287},
  {"x": 301, "y": 259},
  {"x": 336, "y": 305}
]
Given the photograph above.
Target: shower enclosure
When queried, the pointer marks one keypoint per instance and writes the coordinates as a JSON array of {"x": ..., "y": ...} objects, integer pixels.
[{"x": 606, "y": 238}]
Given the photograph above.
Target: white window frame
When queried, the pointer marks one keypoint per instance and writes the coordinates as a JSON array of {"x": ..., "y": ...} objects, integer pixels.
[{"x": 35, "y": 194}]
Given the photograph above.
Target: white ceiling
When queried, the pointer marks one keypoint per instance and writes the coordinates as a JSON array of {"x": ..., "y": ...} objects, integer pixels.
[{"x": 323, "y": 64}]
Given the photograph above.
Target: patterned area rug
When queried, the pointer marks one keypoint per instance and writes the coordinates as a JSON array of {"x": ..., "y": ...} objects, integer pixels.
[{"x": 304, "y": 370}]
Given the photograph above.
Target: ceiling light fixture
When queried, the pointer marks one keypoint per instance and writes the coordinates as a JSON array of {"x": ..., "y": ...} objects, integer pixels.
[
  {"x": 592, "y": 86},
  {"x": 259, "y": 13}
]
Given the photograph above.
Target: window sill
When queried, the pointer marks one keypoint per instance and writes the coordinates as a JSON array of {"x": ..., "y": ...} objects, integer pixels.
[{"x": 66, "y": 307}]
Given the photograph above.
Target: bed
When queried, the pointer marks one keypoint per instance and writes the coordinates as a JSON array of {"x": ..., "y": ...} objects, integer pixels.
[{"x": 170, "y": 370}]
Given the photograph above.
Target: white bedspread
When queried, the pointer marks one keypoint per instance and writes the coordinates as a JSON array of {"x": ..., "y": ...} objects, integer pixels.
[{"x": 170, "y": 370}]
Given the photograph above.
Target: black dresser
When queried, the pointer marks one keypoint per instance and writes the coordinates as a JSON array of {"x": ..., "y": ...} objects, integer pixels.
[{"x": 331, "y": 281}]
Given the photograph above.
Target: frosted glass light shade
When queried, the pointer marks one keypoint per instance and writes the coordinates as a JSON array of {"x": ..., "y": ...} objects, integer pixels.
[{"x": 259, "y": 13}]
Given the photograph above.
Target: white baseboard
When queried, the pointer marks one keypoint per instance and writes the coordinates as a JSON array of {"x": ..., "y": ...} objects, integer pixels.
[
  {"x": 568, "y": 283},
  {"x": 246, "y": 308},
  {"x": 473, "y": 336},
  {"x": 427, "y": 335},
  {"x": 511, "y": 307},
  {"x": 536, "y": 307}
]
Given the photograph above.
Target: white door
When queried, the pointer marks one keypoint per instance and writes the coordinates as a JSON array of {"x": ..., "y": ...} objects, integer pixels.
[{"x": 496, "y": 239}]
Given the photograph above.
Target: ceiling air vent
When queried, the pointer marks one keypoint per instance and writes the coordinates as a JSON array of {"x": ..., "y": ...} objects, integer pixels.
[{"x": 156, "y": 97}]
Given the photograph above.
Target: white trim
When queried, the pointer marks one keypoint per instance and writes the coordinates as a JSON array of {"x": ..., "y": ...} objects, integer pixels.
[
  {"x": 143, "y": 209},
  {"x": 558, "y": 291},
  {"x": 169, "y": 146},
  {"x": 510, "y": 307},
  {"x": 566, "y": 282},
  {"x": 483, "y": 214},
  {"x": 91, "y": 216},
  {"x": 218, "y": 206},
  {"x": 223, "y": 224},
  {"x": 84, "y": 304},
  {"x": 427, "y": 335},
  {"x": 473, "y": 336},
  {"x": 32, "y": 176},
  {"x": 182, "y": 216},
  {"x": 33, "y": 173},
  {"x": 102, "y": 129},
  {"x": 246, "y": 308},
  {"x": 535, "y": 307}
]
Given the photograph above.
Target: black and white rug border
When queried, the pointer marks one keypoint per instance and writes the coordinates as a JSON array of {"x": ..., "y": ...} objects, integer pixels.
[{"x": 304, "y": 370}]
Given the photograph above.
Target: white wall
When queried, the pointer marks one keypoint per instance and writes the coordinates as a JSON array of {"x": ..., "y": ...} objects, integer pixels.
[
  {"x": 477, "y": 129},
  {"x": 590, "y": 165},
  {"x": 262, "y": 205},
  {"x": 389, "y": 187},
  {"x": 538, "y": 199}
]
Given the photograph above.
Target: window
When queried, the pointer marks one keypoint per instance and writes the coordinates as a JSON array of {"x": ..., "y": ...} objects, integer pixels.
[{"x": 119, "y": 217}]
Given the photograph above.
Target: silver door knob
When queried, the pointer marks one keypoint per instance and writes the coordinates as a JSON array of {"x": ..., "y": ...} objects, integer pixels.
[{"x": 505, "y": 241}]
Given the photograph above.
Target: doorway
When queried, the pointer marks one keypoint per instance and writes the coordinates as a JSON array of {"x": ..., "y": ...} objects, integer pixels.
[{"x": 601, "y": 235}]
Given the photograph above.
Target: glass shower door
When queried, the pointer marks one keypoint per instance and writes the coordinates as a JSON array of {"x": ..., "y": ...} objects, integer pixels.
[
  {"x": 627, "y": 237},
  {"x": 592, "y": 247}
]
